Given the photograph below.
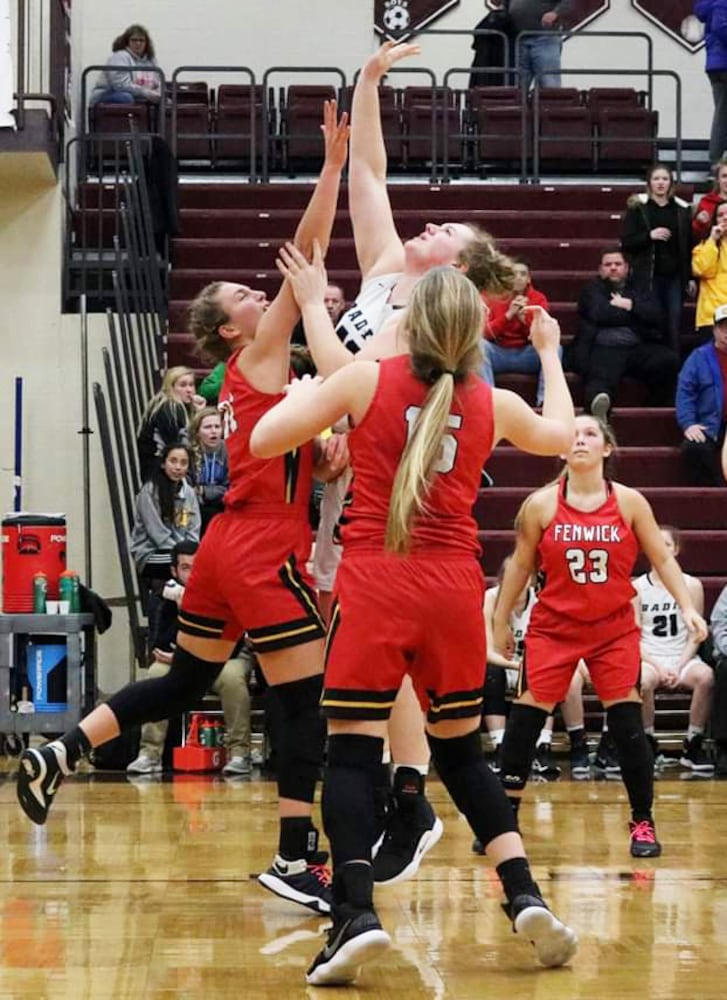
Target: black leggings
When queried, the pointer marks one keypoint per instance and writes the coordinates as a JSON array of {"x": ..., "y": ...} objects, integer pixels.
[{"x": 188, "y": 680}]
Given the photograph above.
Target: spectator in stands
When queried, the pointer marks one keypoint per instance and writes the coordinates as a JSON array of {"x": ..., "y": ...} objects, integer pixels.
[
  {"x": 538, "y": 55},
  {"x": 167, "y": 417},
  {"x": 506, "y": 344},
  {"x": 657, "y": 241},
  {"x": 492, "y": 50},
  {"x": 718, "y": 623},
  {"x": 700, "y": 405},
  {"x": 709, "y": 264},
  {"x": 209, "y": 472},
  {"x": 166, "y": 511},
  {"x": 335, "y": 303},
  {"x": 704, "y": 216},
  {"x": 620, "y": 332},
  {"x": 713, "y": 13},
  {"x": 129, "y": 75},
  {"x": 669, "y": 657},
  {"x": 230, "y": 686}
]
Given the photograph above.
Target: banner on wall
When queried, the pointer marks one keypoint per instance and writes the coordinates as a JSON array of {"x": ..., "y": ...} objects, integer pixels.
[
  {"x": 400, "y": 19},
  {"x": 6, "y": 67},
  {"x": 675, "y": 17}
]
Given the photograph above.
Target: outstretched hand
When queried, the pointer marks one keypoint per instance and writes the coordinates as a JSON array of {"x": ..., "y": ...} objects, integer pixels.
[
  {"x": 544, "y": 330},
  {"x": 336, "y": 132},
  {"x": 307, "y": 279},
  {"x": 380, "y": 62}
]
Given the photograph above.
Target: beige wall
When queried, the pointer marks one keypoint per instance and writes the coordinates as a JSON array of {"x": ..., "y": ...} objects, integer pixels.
[
  {"x": 43, "y": 347},
  {"x": 262, "y": 33}
]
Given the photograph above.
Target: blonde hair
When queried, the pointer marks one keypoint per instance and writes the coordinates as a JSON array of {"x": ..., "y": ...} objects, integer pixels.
[
  {"x": 489, "y": 270},
  {"x": 205, "y": 316},
  {"x": 196, "y": 422},
  {"x": 165, "y": 396},
  {"x": 444, "y": 324}
]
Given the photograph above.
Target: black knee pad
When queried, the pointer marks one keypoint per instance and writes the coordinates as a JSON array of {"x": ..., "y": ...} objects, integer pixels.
[
  {"x": 626, "y": 728},
  {"x": 188, "y": 680},
  {"x": 450, "y": 755},
  {"x": 518, "y": 746},
  {"x": 495, "y": 702},
  {"x": 354, "y": 750},
  {"x": 475, "y": 790},
  {"x": 302, "y": 737}
]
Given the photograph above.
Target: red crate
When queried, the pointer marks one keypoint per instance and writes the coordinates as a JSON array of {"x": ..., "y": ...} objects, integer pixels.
[{"x": 197, "y": 758}]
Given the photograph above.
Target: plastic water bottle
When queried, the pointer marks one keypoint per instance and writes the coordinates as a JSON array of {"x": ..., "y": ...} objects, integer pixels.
[{"x": 40, "y": 593}]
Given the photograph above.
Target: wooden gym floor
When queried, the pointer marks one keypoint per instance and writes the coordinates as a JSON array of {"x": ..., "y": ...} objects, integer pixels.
[{"x": 146, "y": 891}]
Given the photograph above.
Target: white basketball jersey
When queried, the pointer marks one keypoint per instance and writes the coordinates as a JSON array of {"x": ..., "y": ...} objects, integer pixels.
[{"x": 663, "y": 632}]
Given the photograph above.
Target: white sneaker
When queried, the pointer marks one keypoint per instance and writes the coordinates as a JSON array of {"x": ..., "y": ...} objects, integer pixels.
[
  {"x": 240, "y": 764},
  {"x": 144, "y": 765}
]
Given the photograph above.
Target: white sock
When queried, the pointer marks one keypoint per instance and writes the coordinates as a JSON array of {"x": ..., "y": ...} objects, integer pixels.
[
  {"x": 421, "y": 768},
  {"x": 649, "y": 730},
  {"x": 694, "y": 731},
  {"x": 546, "y": 736},
  {"x": 497, "y": 736}
]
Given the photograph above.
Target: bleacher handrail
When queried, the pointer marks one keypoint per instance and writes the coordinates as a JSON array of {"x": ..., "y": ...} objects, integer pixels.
[
  {"x": 336, "y": 70},
  {"x": 251, "y": 82},
  {"x": 161, "y": 104}
]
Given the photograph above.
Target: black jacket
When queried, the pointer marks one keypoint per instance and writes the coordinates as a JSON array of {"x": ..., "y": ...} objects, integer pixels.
[
  {"x": 595, "y": 312},
  {"x": 639, "y": 247}
]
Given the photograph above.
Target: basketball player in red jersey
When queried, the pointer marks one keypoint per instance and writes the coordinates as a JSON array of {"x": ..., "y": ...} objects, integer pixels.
[
  {"x": 584, "y": 533},
  {"x": 249, "y": 575},
  {"x": 410, "y": 588}
]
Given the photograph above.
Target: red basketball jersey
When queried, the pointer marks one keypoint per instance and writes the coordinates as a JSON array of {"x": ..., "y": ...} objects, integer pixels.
[
  {"x": 587, "y": 559},
  {"x": 282, "y": 484},
  {"x": 376, "y": 446}
]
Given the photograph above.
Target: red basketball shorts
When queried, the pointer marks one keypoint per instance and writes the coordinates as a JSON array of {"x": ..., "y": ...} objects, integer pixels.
[
  {"x": 554, "y": 645},
  {"x": 249, "y": 577},
  {"x": 421, "y": 616}
]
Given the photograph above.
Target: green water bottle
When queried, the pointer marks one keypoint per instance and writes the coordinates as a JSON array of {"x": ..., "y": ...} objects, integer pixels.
[
  {"x": 68, "y": 590},
  {"x": 40, "y": 592}
]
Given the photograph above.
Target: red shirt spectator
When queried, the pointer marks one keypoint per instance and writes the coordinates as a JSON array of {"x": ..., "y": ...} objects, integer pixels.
[
  {"x": 704, "y": 216},
  {"x": 508, "y": 324}
]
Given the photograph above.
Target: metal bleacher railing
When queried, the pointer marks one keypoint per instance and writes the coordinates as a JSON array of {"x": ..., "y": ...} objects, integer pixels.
[
  {"x": 255, "y": 136},
  {"x": 42, "y": 61},
  {"x": 132, "y": 367}
]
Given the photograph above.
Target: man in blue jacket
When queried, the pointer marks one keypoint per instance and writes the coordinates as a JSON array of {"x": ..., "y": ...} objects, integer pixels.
[
  {"x": 714, "y": 15},
  {"x": 701, "y": 405}
]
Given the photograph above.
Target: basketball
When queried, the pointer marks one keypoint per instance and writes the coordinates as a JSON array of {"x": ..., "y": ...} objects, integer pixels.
[{"x": 692, "y": 29}]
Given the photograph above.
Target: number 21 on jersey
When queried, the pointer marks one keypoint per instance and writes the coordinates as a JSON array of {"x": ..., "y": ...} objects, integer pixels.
[{"x": 448, "y": 453}]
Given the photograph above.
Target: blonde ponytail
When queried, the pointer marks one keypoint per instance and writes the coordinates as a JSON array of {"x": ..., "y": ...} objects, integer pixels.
[
  {"x": 444, "y": 325},
  {"x": 416, "y": 466}
]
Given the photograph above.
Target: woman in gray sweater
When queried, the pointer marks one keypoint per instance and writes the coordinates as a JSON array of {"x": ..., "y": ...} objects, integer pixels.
[
  {"x": 166, "y": 512},
  {"x": 129, "y": 76}
]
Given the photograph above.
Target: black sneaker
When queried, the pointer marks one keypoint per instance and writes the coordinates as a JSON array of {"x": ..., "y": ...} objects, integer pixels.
[
  {"x": 607, "y": 758},
  {"x": 643, "y": 839},
  {"x": 694, "y": 757},
  {"x": 580, "y": 763},
  {"x": 40, "y": 774},
  {"x": 543, "y": 766},
  {"x": 355, "y": 937},
  {"x": 305, "y": 881},
  {"x": 410, "y": 833},
  {"x": 554, "y": 942},
  {"x": 720, "y": 767}
]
